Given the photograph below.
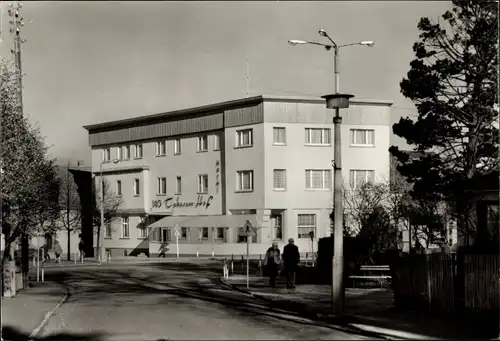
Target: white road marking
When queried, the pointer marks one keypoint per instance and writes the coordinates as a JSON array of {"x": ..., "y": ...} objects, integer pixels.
[{"x": 47, "y": 317}]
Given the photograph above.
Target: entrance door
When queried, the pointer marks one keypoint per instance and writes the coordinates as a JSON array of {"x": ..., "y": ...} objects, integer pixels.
[{"x": 164, "y": 235}]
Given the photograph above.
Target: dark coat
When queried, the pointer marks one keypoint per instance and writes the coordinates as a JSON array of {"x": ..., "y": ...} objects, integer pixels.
[{"x": 291, "y": 255}]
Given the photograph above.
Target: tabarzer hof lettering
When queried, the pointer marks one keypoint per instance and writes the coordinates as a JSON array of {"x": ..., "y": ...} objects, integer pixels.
[{"x": 177, "y": 203}]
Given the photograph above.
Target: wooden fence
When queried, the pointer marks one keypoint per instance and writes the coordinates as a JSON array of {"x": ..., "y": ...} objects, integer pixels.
[{"x": 464, "y": 285}]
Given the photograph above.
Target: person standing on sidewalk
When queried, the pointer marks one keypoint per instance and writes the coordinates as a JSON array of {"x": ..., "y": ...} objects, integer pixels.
[
  {"x": 271, "y": 262},
  {"x": 291, "y": 258}
]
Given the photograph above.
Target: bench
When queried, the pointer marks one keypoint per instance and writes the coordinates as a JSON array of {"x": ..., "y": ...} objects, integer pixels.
[{"x": 381, "y": 277}]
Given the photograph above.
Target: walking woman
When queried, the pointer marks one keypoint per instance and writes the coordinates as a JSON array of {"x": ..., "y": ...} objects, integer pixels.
[{"x": 272, "y": 262}]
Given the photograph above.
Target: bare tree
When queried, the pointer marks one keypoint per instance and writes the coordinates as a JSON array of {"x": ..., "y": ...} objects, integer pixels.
[
  {"x": 70, "y": 207},
  {"x": 111, "y": 203},
  {"x": 360, "y": 203},
  {"x": 368, "y": 219}
]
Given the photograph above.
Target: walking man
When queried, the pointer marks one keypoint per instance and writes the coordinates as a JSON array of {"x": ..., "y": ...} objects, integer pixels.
[
  {"x": 81, "y": 248},
  {"x": 271, "y": 262},
  {"x": 291, "y": 258}
]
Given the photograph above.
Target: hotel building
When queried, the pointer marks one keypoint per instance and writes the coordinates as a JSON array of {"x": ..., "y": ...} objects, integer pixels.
[{"x": 207, "y": 170}]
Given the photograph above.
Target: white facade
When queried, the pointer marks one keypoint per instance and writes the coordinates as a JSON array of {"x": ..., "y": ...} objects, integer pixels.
[{"x": 267, "y": 158}]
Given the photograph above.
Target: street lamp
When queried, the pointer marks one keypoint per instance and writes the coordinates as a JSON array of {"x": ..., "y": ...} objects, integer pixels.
[
  {"x": 101, "y": 233},
  {"x": 336, "y": 101}
]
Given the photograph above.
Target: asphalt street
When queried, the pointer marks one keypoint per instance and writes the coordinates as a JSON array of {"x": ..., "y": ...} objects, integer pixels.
[{"x": 169, "y": 301}]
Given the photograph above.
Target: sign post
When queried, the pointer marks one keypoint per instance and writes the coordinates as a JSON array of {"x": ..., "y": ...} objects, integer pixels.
[
  {"x": 250, "y": 230},
  {"x": 177, "y": 233},
  {"x": 37, "y": 258}
]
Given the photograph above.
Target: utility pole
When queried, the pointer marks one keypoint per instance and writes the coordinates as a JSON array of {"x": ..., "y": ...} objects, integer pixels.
[
  {"x": 68, "y": 204},
  {"x": 16, "y": 23}
]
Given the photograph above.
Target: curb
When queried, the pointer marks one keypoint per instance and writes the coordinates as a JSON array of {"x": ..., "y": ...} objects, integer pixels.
[{"x": 365, "y": 332}]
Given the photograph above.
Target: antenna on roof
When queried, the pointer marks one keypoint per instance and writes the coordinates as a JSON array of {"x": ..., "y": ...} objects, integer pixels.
[{"x": 247, "y": 76}]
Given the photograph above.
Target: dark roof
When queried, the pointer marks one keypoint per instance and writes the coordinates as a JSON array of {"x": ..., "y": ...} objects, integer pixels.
[
  {"x": 63, "y": 168},
  {"x": 225, "y": 105}
]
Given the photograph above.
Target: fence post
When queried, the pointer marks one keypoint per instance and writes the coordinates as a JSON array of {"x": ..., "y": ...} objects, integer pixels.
[
  {"x": 307, "y": 257},
  {"x": 428, "y": 275}
]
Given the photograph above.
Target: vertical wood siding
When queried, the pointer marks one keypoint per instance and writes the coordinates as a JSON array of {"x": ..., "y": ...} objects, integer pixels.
[
  {"x": 244, "y": 116},
  {"x": 156, "y": 130}
]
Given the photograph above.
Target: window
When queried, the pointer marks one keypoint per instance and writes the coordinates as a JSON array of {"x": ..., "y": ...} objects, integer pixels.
[
  {"x": 143, "y": 232},
  {"x": 108, "y": 232},
  {"x": 119, "y": 153},
  {"x": 126, "y": 152},
  {"x": 204, "y": 233},
  {"x": 184, "y": 232},
  {"x": 177, "y": 147},
  {"x": 318, "y": 136},
  {"x": 358, "y": 177},
  {"x": 154, "y": 236},
  {"x": 178, "y": 185},
  {"x": 106, "y": 154},
  {"x": 119, "y": 187},
  {"x": 306, "y": 223},
  {"x": 362, "y": 137},
  {"x": 202, "y": 143},
  {"x": 277, "y": 221},
  {"x": 318, "y": 179},
  {"x": 125, "y": 231},
  {"x": 220, "y": 233},
  {"x": 203, "y": 183},
  {"x": 245, "y": 180},
  {"x": 162, "y": 186},
  {"x": 137, "y": 190},
  {"x": 138, "y": 151},
  {"x": 279, "y": 179},
  {"x": 216, "y": 142},
  {"x": 279, "y": 136},
  {"x": 161, "y": 148},
  {"x": 244, "y": 138}
]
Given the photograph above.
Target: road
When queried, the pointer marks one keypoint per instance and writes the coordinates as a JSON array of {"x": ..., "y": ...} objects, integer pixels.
[{"x": 169, "y": 301}]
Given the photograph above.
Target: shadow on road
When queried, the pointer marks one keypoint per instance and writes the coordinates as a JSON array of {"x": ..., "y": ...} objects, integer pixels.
[
  {"x": 170, "y": 280},
  {"x": 12, "y": 334},
  {"x": 171, "y": 288}
]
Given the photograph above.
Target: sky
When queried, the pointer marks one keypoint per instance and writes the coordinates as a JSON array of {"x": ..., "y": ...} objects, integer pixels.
[{"x": 91, "y": 62}]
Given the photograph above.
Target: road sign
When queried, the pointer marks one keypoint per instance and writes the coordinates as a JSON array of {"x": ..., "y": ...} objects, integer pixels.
[
  {"x": 249, "y": 229},
  {"x": 177, "y": 234},
  {"x": 177, "y": 231}
]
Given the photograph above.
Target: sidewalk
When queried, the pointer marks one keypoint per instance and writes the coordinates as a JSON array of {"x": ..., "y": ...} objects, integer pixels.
[
  {"x": 26, "y": 311},
  {"x": 366, "y": 309}
]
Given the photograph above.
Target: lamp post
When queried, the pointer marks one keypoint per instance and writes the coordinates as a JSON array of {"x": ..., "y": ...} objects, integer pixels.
[
  {"x": 336, "y": 101},
  {"x": 100, "y": 235}
]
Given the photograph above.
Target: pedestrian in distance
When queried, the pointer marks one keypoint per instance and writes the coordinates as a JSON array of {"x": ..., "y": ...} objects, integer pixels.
[
  {"x": 57, "y": 251},
  {"x": 272, "y": 262},
  {"x": 291, "y": 259},
  {"x": 46, "y": 255},
  {"x": 81, "y": 248}
]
